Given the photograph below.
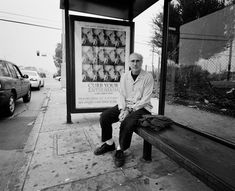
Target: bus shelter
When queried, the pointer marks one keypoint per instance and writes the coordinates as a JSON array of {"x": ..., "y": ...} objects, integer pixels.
[{"x": 196, "y": 79}]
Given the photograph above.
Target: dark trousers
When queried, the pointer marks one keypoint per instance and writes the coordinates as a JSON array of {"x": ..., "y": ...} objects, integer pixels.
[{"x": 127, "y": 127}]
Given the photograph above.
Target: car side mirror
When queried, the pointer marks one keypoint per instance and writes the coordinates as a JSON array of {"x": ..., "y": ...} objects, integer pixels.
[{"x": 25, "y": 76}]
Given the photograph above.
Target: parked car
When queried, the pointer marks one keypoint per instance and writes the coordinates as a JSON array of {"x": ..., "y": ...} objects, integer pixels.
[
  {"x": 13, "y": 85},
  {"x": 42, "y": 74},
  {"x": 35, "y": 79},
  {"x": 58, "y": 78}
]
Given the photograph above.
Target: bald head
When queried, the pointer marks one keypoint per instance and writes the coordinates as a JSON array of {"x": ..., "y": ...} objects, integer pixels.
[
  {"x": 136, "y": 61},
  {"x": 136, "y": 55}
]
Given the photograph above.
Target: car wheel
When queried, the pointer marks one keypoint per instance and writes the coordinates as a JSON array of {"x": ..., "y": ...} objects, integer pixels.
[
  {"x": 27, "y": 97},
  {"x": 39, "y": 86},
  {"x": 10, "y": 108}
]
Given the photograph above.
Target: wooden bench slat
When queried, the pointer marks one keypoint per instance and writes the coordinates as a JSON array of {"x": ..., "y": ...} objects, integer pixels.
[{"x": 210, "y": 161}]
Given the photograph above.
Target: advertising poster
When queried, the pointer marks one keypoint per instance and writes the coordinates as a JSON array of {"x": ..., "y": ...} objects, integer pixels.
[{"x": 101, "y": 56}]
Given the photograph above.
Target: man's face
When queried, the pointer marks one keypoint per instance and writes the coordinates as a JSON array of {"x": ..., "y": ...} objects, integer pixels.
[{"x": 135, "y": 64}]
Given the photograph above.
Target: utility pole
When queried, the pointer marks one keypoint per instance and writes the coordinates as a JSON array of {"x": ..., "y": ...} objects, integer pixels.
[
  {"x": 158, "y": 67},
  {"x": 153, "y": 60}
]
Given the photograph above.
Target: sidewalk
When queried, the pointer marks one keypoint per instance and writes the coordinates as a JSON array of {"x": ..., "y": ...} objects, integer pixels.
[{"x": 60, "y": 158}]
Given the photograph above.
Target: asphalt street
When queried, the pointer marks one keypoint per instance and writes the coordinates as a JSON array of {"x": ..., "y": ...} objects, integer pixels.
[{"x": 15, "y": 130}]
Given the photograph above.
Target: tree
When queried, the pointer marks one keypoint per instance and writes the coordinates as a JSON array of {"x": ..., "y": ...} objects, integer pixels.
[
  {"x": 174, "y": 22},
  {"x": 182, "y": 12},
  {"x": 191, "y": 10},
  {"x": 58, "y": 57}
]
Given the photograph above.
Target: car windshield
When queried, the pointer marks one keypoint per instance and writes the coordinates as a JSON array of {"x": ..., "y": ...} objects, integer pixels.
[{"x": 30, "y": 73}]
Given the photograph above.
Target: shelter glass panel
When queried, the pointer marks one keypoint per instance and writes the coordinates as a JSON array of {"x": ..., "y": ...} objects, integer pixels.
[{"x": 200, "y": 84}]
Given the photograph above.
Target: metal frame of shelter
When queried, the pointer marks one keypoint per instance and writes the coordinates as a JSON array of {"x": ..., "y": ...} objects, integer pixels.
[{"x": 125, "y": 10}]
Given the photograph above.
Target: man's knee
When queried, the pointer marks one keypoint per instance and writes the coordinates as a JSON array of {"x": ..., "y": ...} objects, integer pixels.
[
  {"x": 107, "y": 116},
  {"x": 104, "y": 116},
  {"x": 128, "y": 123}
]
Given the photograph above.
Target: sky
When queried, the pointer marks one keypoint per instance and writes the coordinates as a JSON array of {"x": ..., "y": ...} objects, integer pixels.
[{"x": 20, "y": 42}]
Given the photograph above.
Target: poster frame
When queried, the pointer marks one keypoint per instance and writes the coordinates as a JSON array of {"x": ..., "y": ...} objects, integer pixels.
[{"x": 72, "y": 20}]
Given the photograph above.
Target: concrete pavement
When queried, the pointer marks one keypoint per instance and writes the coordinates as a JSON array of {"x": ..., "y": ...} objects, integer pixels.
[{"x": 59, "y": 157}]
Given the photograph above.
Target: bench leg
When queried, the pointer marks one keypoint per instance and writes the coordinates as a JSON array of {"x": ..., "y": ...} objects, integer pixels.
[{"x": 147, "y": 151}]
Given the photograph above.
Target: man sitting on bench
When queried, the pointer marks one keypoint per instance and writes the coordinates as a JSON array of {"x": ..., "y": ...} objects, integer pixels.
[{"x": 136, "y": 88}]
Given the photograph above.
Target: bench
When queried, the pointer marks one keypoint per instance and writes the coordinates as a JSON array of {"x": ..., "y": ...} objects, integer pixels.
[{"x": 205, "y": 158}]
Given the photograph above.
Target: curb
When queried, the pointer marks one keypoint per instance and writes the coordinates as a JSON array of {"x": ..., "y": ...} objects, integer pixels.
[
  {"x": 33, "y": 136},
  {"x": 21, "y": 171}
]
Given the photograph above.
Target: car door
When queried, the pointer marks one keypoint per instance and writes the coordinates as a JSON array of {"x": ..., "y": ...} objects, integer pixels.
[
  {"x": 24, "y": 82},
  {"x": 16, "y": 81}
]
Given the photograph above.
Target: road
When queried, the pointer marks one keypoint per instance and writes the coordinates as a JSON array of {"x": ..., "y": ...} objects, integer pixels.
[{"x": 14, "y": 131}]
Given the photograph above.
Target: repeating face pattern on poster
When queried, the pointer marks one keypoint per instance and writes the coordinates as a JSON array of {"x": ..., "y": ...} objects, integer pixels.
[{"x": 101, "y": 56}]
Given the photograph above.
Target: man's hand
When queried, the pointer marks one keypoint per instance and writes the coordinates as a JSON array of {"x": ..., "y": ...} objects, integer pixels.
[{"x": 123, "y": 114}]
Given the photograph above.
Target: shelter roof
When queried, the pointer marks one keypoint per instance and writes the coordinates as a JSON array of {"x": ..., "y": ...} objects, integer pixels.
[{"x": 120, "y": 9}]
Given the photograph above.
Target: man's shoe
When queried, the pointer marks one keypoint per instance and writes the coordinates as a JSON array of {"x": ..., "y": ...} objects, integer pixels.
[
  {"x": 104, "y": 149},
  {"x": 119, "y": 158}
]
